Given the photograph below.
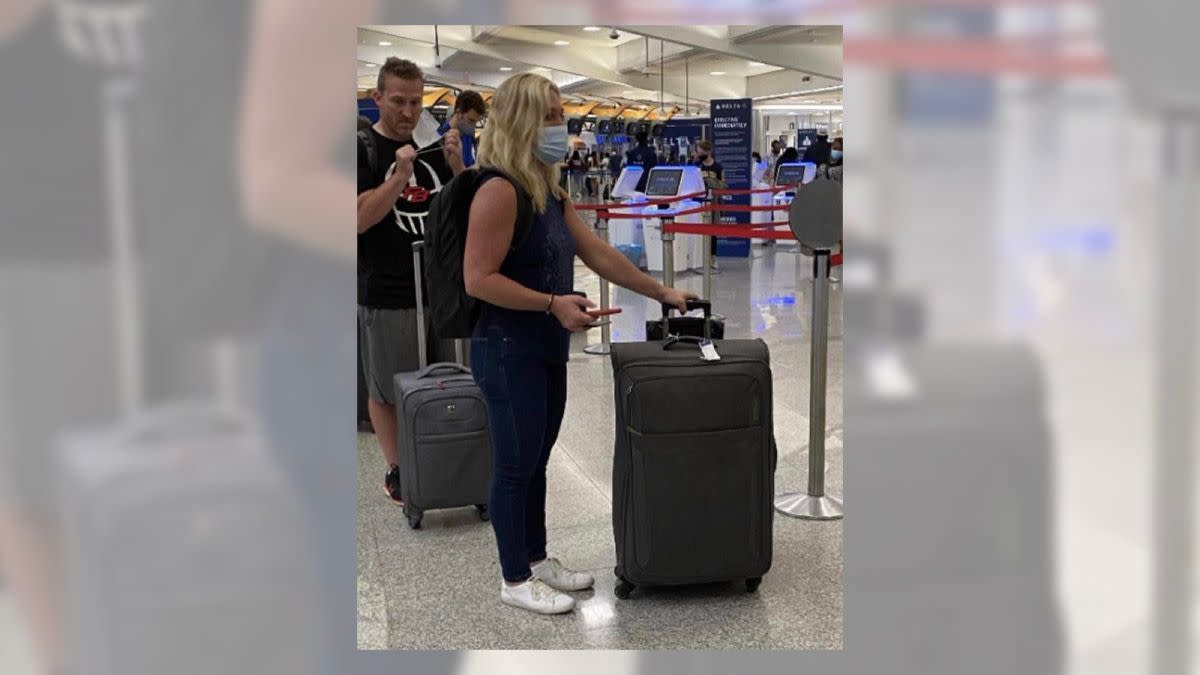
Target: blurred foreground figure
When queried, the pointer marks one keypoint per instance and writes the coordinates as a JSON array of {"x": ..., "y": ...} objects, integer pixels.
[{"x": 56, "y": 308}]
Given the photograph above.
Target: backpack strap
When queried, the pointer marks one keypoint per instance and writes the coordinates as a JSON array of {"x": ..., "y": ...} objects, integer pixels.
[
  {"x": 368, "y": 140},
  {"x": 525, "y": 214}
]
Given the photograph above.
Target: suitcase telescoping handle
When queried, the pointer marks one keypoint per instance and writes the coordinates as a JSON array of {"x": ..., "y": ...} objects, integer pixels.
[
  {"x": 418, "y": 287},
  {"x": 705, "y": 305},
  {"x": 432, "y": 368},
  {"x": 418, "y": 280}
]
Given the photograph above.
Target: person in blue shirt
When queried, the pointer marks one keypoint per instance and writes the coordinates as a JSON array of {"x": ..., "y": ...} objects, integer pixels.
[
  {"x": 644, "y": 156},
  {"x": 469, "y": 108}
]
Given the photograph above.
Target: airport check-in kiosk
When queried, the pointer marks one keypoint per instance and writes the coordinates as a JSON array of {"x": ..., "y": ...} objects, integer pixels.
[
  {"x": 792, "y": 174},
  {"x": 626, "y": 234},
  {"x": 666, "y": 182}
]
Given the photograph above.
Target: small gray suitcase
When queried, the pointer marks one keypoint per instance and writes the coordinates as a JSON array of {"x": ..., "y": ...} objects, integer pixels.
[
  {"x": 442, "y": 432},
  {"x": 694, "y": 465}
]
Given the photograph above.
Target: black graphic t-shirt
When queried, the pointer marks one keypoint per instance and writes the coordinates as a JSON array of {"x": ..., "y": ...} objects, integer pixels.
[
  {"x": 711, "y": 172},
  {"x": 385, "y": 263}
]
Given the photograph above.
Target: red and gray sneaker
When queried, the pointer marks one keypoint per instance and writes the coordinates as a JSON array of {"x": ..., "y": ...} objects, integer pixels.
[{"x": 391, "y": 484}]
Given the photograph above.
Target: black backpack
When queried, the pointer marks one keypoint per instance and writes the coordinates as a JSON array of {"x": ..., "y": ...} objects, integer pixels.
[
  {"x": 368, "y": 140},
  {"x": 452, "y": 313}
]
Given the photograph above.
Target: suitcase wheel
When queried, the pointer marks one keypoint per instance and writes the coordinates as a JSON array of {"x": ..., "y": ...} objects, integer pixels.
[
  {"x": 624, "y": 589},
  {"x": 414, "y": 516},
  {"x": 482, "y": 509},
  {"x": 753, "y": 584}
]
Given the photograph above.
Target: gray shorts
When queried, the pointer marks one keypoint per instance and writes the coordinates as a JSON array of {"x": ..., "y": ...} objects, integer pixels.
[{"x": 389, "y": 346}]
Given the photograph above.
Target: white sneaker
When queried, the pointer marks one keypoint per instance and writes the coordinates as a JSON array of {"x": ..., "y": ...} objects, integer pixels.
[
  {"x": 560, "y": 578},
  {"x": 536, "y": 596}
]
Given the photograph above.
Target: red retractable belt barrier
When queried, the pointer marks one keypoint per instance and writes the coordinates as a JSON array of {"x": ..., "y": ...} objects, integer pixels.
[
  {"x": 721, "y": 192},
  {"x": 758, "y": 231},
  {"x": 737, "y": 208},
  {"x": 651, "y": 202}
]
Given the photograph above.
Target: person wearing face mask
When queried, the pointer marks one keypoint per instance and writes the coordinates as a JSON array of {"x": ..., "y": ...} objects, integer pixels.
[
  {"x": 835, "y": 160},
  {"x": 528, "y": 312},
  {"x": 469, "y": 108}
]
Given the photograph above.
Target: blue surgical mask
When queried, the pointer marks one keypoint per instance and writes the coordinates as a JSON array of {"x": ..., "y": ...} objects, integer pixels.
[
  {"x": 552, "y": 144},
  {"x": 835, "y": 154}
]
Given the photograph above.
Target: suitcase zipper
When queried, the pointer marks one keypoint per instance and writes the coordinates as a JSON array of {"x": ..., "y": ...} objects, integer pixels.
[
  {"x": 754, "y": 411},
  {"x": 441, "y": 385}
]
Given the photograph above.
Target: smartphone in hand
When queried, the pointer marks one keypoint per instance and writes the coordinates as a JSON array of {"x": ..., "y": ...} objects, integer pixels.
[{"x": 597, "y": 313}]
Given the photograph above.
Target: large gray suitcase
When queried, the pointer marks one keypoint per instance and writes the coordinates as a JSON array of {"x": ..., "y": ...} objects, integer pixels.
[
  {"x": 694, "y": 465},
  {"x": 442, "y": 432}
]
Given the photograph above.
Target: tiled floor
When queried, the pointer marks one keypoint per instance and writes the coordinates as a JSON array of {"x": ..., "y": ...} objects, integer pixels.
[{"x": 438, "y": 588}]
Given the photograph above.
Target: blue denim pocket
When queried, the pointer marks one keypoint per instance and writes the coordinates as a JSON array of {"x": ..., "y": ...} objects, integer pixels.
[{"x": 488, "y": 357}]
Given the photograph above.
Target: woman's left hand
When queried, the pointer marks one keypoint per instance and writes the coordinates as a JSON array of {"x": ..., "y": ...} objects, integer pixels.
[{"x": 678, "y": 298}]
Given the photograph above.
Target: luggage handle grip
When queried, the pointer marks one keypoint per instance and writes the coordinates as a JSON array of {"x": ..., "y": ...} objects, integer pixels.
[
  {"x": 673, "y": 340},
  {"x": 705, "y": 305},
  {"x": 445, "y": 366},
  {"x": 691, "y": 304}
]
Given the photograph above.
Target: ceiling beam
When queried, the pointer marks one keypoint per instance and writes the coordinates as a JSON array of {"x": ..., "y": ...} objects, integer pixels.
[
  {"x": 597, "y": 64},
  {"x": 818, "y": 60},
  {"x": 782, "y": 82},
  {"x": 742, "y": 34},
  {"x": 419, "y": 53},
  {"x": 631, "y": 56},
  {"x": 482, "y": 33}
]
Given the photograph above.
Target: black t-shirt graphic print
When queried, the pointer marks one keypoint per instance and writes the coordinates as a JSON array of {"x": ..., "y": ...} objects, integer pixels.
[{"x": 385, "y": 265}]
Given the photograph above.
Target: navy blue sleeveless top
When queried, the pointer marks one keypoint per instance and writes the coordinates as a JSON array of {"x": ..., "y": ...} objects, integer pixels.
[{"x": 544, "y": 262}]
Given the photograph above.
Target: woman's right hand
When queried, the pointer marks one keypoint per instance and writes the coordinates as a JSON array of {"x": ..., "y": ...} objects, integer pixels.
[{"x": 569, "y": 310}]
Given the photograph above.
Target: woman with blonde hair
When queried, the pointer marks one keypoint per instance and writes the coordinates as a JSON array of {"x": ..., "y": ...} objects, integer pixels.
[{"x": 519, "y": 350}]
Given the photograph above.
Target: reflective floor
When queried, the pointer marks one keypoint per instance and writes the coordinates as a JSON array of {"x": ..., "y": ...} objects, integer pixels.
[{"x": 438, "y": 588}]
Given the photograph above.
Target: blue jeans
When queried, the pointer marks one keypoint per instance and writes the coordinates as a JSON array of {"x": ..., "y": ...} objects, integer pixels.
[{"x": 525, "y": 397}]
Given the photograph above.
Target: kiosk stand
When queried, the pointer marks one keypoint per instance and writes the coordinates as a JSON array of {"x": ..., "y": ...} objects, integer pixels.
[
  {"x": 815, "y": 216},
  {"x": 605, "y": 345},
  {"x": 665, "y": 183},
  {"x": 626, "y": 234}
]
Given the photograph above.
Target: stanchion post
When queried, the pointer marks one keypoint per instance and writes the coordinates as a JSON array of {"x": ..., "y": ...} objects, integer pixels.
[
  {"x": 604, "y": 347},
  {"x": 668, "y": 240},
  {"x": 707, "y": 244},
  {"x": 815, "y": 504}
]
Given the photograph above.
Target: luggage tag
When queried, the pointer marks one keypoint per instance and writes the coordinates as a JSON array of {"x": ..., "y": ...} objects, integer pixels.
[{"x": 708, "y": 351}]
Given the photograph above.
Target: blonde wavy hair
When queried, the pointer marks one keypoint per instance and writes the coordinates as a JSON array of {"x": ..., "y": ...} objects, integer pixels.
[{"x": 510, "y": 137}]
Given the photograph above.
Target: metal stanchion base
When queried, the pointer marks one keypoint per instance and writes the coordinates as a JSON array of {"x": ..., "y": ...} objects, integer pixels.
[
  {"x": 597, "y": 349},
  {"x": 807, "y": 507}
]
